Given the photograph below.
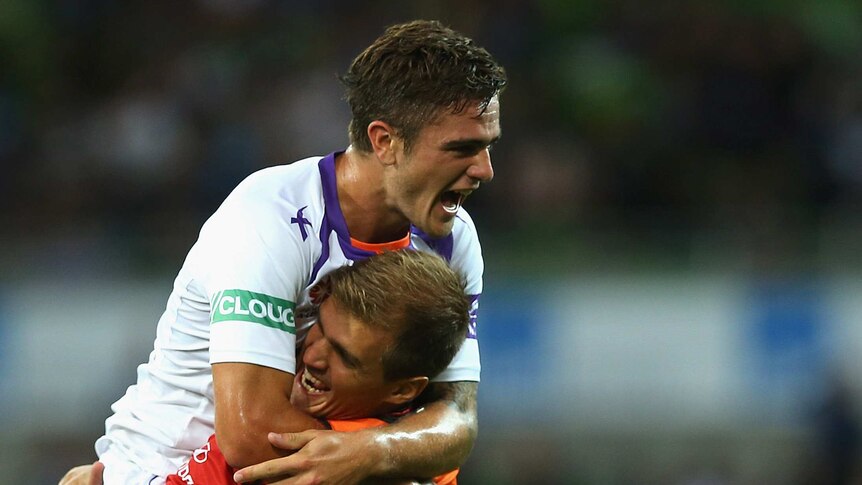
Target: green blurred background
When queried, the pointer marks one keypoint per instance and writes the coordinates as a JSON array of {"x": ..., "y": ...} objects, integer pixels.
[{"x": 671, "y": 240}]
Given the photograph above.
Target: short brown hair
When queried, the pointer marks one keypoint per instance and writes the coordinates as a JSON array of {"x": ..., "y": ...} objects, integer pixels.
[
  {"x": 412, "y": 72},
  {"x": 414, "y": 294}
]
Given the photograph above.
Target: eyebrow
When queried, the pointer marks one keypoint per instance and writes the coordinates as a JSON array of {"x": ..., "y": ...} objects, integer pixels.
[
  {"x": 349, "y": 359},
  {"x": 469, "y": 144}
]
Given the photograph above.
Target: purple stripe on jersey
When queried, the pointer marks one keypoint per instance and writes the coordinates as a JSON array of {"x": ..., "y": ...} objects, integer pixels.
[
  {"x": 334, "y": 218},
  {"x": 326, "y": 166},
  {"x": 474, "y": 316},
  {"x": 324, "y": 252},
  {"x": 330, "y": 194},
  {"x": 442, "y": 246}
]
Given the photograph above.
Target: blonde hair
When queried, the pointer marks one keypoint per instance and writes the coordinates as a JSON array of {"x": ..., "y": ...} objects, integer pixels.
[{"x": 414, "y": 294}]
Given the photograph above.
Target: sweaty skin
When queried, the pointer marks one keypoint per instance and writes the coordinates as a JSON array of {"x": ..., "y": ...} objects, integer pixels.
[
  {"x": 427, "y": 444},
  {"x": 244, "y": 415}
]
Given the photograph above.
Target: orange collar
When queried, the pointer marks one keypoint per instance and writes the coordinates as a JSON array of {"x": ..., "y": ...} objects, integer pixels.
[{"x": 402, "y": 243}]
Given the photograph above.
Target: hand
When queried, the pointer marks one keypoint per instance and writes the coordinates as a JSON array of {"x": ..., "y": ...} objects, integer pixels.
[
  {"x": 84, "y": 475},
  {"x": 323, "y": 457}
]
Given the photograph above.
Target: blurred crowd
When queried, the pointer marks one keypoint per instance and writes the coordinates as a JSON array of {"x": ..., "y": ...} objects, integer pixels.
[
  {"x": 637, "y": 135},
  {"x": 683, "y": 133}
]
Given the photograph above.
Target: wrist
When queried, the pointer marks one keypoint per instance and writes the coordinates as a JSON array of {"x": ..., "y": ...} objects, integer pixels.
[{"x": 378, "y": 454}]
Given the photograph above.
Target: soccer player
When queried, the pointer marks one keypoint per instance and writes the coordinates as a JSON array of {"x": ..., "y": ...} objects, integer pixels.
[
  {"x": 425, "y": 107},
  {"x": 385, "y": 325}
]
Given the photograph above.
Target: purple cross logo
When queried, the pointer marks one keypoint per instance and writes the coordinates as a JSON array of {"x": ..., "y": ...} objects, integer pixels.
[{"x": 301, "y": 221}]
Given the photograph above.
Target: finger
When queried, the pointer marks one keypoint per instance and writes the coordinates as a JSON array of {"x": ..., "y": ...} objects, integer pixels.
[
  {"x": 291, "y": 441},
  {"x": 279, "y": 467},
  {"x": 276, "y": 468},
  {"x": 96, "y": 473}
]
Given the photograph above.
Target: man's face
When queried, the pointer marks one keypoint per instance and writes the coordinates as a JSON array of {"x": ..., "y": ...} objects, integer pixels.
[
  {"x": 340, "y": 372},
  {"x": 447, "y": 161}
]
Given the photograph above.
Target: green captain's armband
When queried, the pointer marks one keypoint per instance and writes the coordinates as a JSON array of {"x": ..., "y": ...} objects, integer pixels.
[{"x": 248, "y": 306}]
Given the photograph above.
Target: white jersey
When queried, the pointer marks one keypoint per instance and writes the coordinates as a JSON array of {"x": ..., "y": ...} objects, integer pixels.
[{"x": 242, "y": 296}]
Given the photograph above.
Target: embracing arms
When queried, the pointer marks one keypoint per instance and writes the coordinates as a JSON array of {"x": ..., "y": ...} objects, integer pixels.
[
  {"x": 435, "y": 440},
  {"x": 428, "y": 443}
]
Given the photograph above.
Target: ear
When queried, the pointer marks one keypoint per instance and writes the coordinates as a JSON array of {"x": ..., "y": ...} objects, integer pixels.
[
  {"x": 384, "y": 141},
  {"x": 406, "y": 390}
]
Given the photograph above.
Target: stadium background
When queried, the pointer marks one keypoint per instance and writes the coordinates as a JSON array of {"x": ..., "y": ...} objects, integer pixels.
[{"x": 672, "y": 237}]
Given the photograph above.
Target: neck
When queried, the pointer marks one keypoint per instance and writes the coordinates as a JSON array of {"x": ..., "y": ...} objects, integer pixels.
[{"x": 362, "y": 197}]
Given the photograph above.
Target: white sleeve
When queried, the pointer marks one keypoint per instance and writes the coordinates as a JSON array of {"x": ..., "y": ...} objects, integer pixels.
[{"x": 253, "y": 280}]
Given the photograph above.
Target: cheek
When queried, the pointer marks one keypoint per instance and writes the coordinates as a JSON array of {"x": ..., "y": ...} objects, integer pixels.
[
  {"x": 351, "y": 385},
  {"x": 409, "y": 184},
  {"x": 341, "y": 378},
  {"x": 424, "y": 173}
]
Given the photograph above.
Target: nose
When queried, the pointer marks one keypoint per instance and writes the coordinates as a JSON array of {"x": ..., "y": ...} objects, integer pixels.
[
  {"x": 481, "y": 168},
  {"x": 315, "y": 353}
]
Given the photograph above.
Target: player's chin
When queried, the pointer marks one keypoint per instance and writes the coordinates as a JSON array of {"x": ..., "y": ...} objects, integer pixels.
[
  {"x": 316, "y": 405},
  {"x": 438, "y": 225},
  {"x": 299, "y": 401}
]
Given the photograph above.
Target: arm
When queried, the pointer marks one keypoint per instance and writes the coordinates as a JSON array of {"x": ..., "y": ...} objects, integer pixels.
[
  {"x": 424, "y": 444},
  {"x": 434, "y": 441},
  {"x": 251, "y": 401}
]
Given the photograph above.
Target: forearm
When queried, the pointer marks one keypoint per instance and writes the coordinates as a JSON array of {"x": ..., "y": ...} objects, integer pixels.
[{"x": 431, "y": 442}]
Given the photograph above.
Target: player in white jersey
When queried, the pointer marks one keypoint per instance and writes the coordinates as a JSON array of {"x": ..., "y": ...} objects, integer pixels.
[
  {"x": 425, "y": 112},
  {"x": 385, "y": 325}
]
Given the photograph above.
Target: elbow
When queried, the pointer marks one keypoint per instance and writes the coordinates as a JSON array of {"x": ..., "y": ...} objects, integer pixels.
[
  {"x": 472, "y": 424},
  {"x": 469, "y": 425},
  {"x": 243, "y": 445},
  {"x": 472, "y": 433},
  {"x": 237, "y": 451},
  {"x": 469, "y": 431}
]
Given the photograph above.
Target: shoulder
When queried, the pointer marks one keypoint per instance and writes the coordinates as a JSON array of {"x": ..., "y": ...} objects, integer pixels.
[
  {"x": 267, "y": 221},
  {"x": 270, "y": 198},
  {"x": 291, "y": 183}
]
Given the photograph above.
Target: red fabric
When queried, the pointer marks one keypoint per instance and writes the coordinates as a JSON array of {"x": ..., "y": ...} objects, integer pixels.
[{"x": 207, "y": 466}]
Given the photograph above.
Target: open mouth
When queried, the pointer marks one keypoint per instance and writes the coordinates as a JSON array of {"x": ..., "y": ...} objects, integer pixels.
[
  {"x": 452, "y": 200},
  {"x": 311, "y": 384}
]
